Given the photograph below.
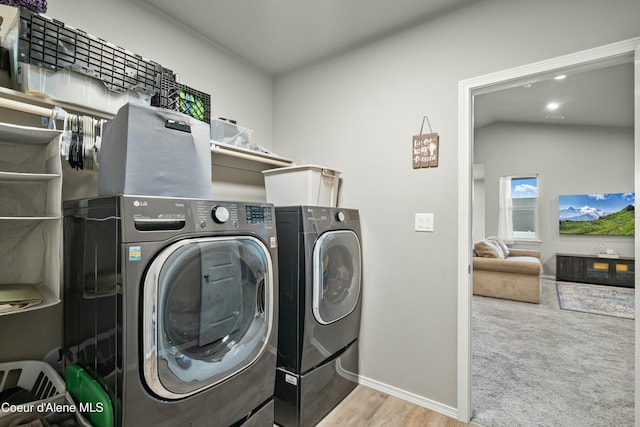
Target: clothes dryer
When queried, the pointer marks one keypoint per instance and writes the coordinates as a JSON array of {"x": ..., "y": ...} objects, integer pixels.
[
  {"x": 171, "y": 304},
  {"x": 320, "y": 270}
]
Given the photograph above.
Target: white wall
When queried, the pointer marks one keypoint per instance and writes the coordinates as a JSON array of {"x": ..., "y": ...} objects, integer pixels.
[
  {"x": 568, "y": 160},
  {"x": 357, "y": 113}
]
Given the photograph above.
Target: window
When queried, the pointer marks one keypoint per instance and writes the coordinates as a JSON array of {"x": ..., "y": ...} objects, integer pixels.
[
  {"x": 518, "y": 217},
  {"x": 524, "y": 194}
]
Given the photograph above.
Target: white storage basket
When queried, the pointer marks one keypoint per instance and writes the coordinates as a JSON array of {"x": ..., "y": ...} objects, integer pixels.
[
  {"x": 44, "y": 383},
  {"x": 37, "y": 377},
  {"x": 302, "y": 185}
]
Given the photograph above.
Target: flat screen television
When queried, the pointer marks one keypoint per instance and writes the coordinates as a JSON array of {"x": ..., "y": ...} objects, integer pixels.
[{"x": 610, "y": 214}]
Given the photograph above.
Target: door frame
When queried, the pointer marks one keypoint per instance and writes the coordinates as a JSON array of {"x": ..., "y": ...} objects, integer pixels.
[{"x": 488, "y": 83}]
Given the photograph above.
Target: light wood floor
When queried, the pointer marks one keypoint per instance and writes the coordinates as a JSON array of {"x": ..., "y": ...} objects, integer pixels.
[{"x": 365, "y": 407}]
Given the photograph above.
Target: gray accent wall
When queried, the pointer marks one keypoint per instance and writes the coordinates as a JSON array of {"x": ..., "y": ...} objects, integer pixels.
[{"x": 567, "y": 160}]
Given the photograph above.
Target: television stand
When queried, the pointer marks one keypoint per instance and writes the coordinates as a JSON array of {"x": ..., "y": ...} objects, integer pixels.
[{"x": 599, "y": 270}]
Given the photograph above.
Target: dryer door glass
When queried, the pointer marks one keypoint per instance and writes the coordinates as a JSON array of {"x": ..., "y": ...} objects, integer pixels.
[
  {"x": 336, "y": 275},
  {"x": 207, "y": 312}
]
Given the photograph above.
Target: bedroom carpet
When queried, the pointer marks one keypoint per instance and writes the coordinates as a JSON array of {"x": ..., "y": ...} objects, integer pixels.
[{"x": 538, "y": 365}]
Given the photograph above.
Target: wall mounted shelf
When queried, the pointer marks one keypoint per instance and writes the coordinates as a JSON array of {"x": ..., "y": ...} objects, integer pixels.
[
  {"x": 27, "y": 177},
  {"x": 26, "y": 103},
  {"x": 268, "y": 159}
]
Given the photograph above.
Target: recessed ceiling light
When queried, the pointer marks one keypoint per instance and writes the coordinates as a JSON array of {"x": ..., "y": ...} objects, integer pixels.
[
  {"x": 560, "y": 77},
  {"x": 528, "y": 85},
  {"x": 552, "y": 106}
]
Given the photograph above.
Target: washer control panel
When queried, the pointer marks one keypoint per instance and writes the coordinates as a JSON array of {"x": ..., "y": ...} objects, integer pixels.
[
  {"x": 256, "y": 214},
  {"x": 214, "y": 215}
]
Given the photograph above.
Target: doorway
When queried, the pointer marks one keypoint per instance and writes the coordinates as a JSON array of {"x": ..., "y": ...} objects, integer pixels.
[{"x": 593, "y": 58}]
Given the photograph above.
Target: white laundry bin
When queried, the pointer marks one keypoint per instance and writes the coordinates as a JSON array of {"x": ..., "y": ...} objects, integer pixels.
[{"x": 302, "y": 185}]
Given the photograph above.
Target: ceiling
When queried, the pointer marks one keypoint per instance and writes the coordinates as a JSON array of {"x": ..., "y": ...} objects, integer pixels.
[
  {"x": 280, "y": 35},
  {"x": 599, "y": 97}
]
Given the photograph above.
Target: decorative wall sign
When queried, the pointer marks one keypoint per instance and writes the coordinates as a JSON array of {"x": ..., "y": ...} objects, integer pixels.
[
  {"x": 417, "y": 145},
  {"x": 425, "y": 148}
]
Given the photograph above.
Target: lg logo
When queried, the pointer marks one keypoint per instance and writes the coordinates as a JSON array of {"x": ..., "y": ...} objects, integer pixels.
[{"x": 138, "y": 203}]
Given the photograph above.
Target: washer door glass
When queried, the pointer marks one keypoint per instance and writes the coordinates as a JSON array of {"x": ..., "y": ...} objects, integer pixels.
[
  {"x": 336, "y": 275},
  {"x": 207, "y": 312}
]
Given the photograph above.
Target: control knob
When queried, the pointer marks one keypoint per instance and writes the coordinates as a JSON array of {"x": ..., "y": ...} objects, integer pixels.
[
  {"x": 340, "y": 216},
  {"x": 220, "y": 214}
]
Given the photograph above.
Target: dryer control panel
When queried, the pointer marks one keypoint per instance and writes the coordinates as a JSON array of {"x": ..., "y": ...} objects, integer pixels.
[{"x": 325, "y": 218}]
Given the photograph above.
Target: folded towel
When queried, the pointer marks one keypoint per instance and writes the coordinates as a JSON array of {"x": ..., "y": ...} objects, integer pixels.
[{"x": 16, "y": 296}]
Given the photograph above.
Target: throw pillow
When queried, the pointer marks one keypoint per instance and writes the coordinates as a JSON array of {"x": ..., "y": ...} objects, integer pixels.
[
  {"x": 499, "y": 243},
  {"x": 487, "y": 249}
]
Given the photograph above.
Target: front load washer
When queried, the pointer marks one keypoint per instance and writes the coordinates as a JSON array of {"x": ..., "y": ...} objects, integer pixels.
[
  {"x": 320, "y": 265},
  {"x": 171, "y": 305}
]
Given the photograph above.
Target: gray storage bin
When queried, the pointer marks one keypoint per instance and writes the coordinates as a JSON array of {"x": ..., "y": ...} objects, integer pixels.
[{"x": 154, "y": 152}]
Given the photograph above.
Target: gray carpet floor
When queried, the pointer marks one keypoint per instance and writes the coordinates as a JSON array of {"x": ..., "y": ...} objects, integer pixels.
[{"x": 537, "y": 365}]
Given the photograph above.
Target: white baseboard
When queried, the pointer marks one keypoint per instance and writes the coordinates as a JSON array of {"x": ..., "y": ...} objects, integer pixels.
[{"x": 409, "y": 397}]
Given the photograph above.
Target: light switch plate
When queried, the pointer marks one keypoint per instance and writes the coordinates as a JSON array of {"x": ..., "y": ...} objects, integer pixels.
[{"x": 424, "y": 222}]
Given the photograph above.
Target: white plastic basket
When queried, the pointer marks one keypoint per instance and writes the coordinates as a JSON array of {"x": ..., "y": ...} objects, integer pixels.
[
  {"x": 75, "y": 88},
  {"x": 230, "y": 133},
  {"x": 302, "y": 185},
  {"x": 25, "y": 418},
  {"x": 37, "y": 377}
]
